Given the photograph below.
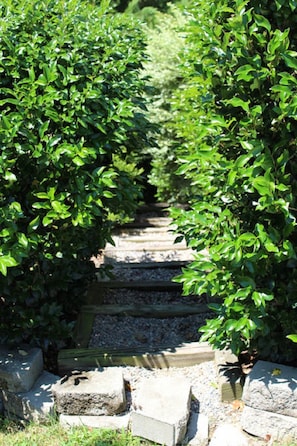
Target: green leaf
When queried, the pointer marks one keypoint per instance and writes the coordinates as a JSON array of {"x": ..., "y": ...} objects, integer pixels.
[
  {"x": 6, "y": 261},
  {"x": 290, "y": 61},
  {"x": 292, "y": 337},
  {"x": 262, "y": 22},
  {"x": 264, "y": 186},
  {"x": 237, "y": 102}
]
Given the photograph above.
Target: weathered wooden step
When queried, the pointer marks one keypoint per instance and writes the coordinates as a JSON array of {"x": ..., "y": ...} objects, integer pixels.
[
  {"x": 153, "y": 254},
  {"x": 163, "y": 241},
  {"x": 146, "y": 231},
  {"x": 147, "y": 310},
  {"x": 149, "y": 222},
  {"x": 184, "y": 355},
  {"x": 171, "y": 264},
  {"x": 151, "y": 285}
]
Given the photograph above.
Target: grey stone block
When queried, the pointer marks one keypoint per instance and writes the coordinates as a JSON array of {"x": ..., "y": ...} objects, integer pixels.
[
  {"x": 162, "y": 410},
  {"x": 198, "y": 430},
  {"x": 36, "y": 404},
  {"x": 91, "y": 393},
  {"x": 228, "y": 435},
  {"x": 272, "y": 387},
  {"x": 116, "y": 422},
  {"x": 20, "y": 368},
  {"x": 262, "y": 423}
]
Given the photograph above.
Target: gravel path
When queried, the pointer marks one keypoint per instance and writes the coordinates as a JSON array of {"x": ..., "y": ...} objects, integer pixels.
[
  {"x": 206, "y": 398},
  {"x": 126, "y": 331}
]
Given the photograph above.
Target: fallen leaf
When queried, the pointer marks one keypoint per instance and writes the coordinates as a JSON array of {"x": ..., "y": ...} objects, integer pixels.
[
  {"x": 237, "y": 405},
  {"x": 276, "y": 372}
]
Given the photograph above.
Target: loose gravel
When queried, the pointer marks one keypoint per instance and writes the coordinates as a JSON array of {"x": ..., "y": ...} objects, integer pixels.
[{"x": 205, "y": 393}]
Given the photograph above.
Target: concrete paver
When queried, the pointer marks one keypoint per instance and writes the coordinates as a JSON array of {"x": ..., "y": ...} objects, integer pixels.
[
  {"x": 20, "y": 368},
  {"x": 100, "y": 392},
  {"x": 36, "y": 404},
  {"x": 162, "y": 410}
]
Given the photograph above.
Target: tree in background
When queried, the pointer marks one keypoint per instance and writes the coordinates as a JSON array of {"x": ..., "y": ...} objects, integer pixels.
[
  {"x": 237, "y": 117},
  {"x": 72, "y": 124}
]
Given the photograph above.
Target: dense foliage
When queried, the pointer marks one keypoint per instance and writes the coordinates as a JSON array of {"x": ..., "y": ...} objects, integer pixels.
[
  {"x": 165, "y": 43},
  {"x": 238, "y": 120},
  {"x": 71, "y": 122}
]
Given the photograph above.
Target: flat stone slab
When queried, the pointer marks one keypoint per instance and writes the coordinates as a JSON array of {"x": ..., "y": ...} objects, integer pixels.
[
  {"x": 229, "y": 375},
  {"x": 262, "y": 423},
  {"x": 100, "y": 392},
  {"x": 162, "y": 409},
  {"x": 34, "y": 405},
  {"x": 19, "y": 368},
  {"x": 272, "y": 387},
  {"x": 116, "y": 422}
]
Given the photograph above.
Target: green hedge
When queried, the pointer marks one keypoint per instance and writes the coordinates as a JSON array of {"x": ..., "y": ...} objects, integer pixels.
[
  {"x": 71, "y": 126},
  {"x": 238, "y": 121}
]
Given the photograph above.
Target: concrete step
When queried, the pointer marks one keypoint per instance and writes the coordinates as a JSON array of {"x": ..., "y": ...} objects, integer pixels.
[
  {"x": 100, "y": 392},
  {"x": 34, "y": 405},
  {"x": 162, "y": 410},
  {"x": 19, "y": 368},
  {"x": 270, "y": 397}
]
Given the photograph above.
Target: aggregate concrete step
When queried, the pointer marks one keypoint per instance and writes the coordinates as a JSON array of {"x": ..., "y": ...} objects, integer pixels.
[
  {"x": 116, "y": 422},
  {"x": 100, "y": 392},
  {"x": 270, "y": 397},
  {"x": 266, "y": 424},
  {"x": 19, "y": 368},
  {"x": 34, "y": 405},
  {"x": 272, "y": 387},
  {"x": 162, "y": 410}
]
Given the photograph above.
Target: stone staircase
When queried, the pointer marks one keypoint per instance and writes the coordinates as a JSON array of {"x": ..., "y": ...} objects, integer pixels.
[
  {"x": 88, "y": 391},
  {"x": 143, "y": 253},
  {"x": 161, "y": 413}
]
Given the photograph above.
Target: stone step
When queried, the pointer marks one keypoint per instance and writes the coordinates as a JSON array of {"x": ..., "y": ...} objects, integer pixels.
[
  {"x": 100, "y": 392},
  {"x": 34, "y": 405},
  {"x": 115, "y": 422},
  {"x": 272, "y": 387},
  {"x": 270, "y": 397},
  {"x": 162, "y": 410},
  {"x": 19, "y": 368}
]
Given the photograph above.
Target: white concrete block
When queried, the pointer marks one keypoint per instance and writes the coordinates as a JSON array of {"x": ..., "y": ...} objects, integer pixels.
[
  {"x": 116, "y": 422},
  {"x": 36, "y": 404},
  {"x": 100, "y": 392},
  {"x": 162, "y": 410},
  {"x": 272, "y": 387},
  {"x": 262, "y": 423},
  {"x": 19, "y": 368}
]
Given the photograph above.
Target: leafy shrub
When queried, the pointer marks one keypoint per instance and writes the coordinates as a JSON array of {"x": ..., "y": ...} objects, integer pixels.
[
  {"x": 71, "y": 123},
  {"x": 238, "y": 120}
]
